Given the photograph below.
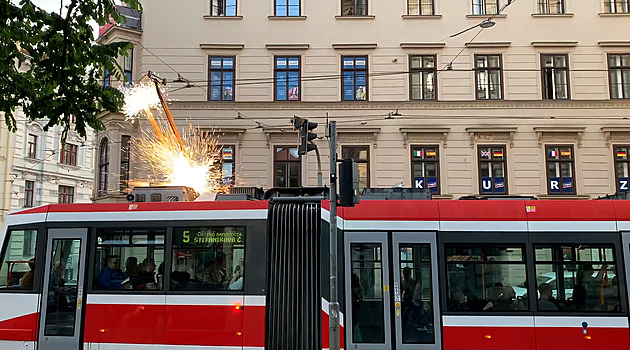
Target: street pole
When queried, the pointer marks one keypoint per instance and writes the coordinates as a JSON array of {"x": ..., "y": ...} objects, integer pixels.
[
  {"x": 319, "y": 168},
  {"x": 333, "y": 313}
]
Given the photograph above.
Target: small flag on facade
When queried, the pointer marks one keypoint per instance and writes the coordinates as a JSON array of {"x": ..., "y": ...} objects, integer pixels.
[
  {"x": 621, "y": 154},
  {"x": 553, "y": 153},
  {"x": 565, "y": 153},
  {"x": 499, "y": 185},
  {"x": 417, "y": 153},
  {"x": 432, "y": 184},
  {"x": 497, "y": 154},
  {"x": 227, "y": 153},
  {"x": 431, "y": 153},
  {"x": 485, "y": 154},
  {"x": 567, "y": 185}
]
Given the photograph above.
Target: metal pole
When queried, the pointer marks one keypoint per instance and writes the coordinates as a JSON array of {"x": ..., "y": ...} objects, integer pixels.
[
  {"x": 319, "y": 168},
  {"x": 334, "y": 304}
]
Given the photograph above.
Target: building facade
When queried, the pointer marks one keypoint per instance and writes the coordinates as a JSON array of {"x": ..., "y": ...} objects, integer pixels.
[
  {"x": 6, "y": 163},
  {"x": 538, "y": 104}
]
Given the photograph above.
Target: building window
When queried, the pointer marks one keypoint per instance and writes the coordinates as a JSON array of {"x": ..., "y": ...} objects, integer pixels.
[
  {"x": 622, "y": 168},
  {"x": 228, "y": 161},
  {"x": 69, "y": 154},
  {"x": 577, "y": 277},
  {"x": 288, "y": 8},
  {"x": 488, "y": 73},
  {"x": 287, "y": 71},
  {"x": 221, "y": 73},
  {"x": 107, "y": 78},
  {"x": 354, "y": 7},
  {"x": 103, "y": 167},
  {"x": 128, "y": 66},
  {"x": 560, "y": 170},
  {"x": 483, "y": 278},
  {"x": 156, "y": 197},
  {"x": 422, "y": 72},
  {"x": 29, "y": 189},
  {"x": 420, "y": 7},
  {"x": 31, "y": 146},
  {"x": 223, "y": 7},
  {"x": 485, "y": 7},
  {"x": 425, "y": 168},
  {"x": 354, "y": 82},
  {"x": 619, "y": 73},
  {"x": 492, "y": 170},
  {"x": 555, "y": 77},
  {"x": 287, "y": 166},
  {"x": 66, "y": 194},
  {"x": 361, "y": 156},
  {"x": 550, "y": 6},
  {"x": 125, "y": 149},
  {"x": 617, "y": 6}
]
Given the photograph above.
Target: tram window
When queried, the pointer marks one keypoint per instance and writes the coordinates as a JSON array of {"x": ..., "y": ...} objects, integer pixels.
[
  {"x": 486, "y": 278},
  {"x": 208, "y": 258},
  {"x": 129, "y": 259},
  {"x": 18, "y": 262},
  {"x": 577, "y": 278}
]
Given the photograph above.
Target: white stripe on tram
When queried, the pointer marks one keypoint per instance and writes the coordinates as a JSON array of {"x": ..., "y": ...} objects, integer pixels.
[
  {"x": 572, "y": 226},
  {"x": 576, "y": 321},
  {"x": 488, "y": 321},
  {"x": 121, "y": 346},
  {"x": 219, "y": 300},
  {"x": 247, "y": 214}
]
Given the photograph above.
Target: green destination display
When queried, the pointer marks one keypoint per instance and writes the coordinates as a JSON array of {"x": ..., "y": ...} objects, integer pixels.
[{"x": 208, "y": 236}]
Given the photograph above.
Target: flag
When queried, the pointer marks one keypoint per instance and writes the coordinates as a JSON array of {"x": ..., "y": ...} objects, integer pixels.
[
  {"x": 485, "y": 154},
  {"x": 499, "y": 185},
  {"x": 227, "y": 153},
  {"x": 621, "y": 154},
  {"x": 431, "y": 153},
  {"x": 565, "y": 153},
  {"x": 553, "y": 153},
  {"x": 417, "y": 153},
  {"x": 567, "y": 185},
  {"x": 432, "y": 184},
  {"x": 497, "y": 154}
]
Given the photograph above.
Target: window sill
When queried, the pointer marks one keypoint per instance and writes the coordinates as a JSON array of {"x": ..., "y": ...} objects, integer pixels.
[
  {"x": 552, "y": 15},
  {"x": 606, "y": 14},
  {"x": 421, "y": 16},
  {"x": 355, "y": 17},
  {"x": 222, "y": 17},
  {"x": 442, "y": 196},
  {"x": 285, "y": 18},
  {"x": 500, "y": 15},
  {"x": 563, "y": 196}
]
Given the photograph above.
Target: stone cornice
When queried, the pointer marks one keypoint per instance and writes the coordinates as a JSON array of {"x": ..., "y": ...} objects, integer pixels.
[
  {"x": 115, "y": 28},
  {"x": 221, "y": 46}
]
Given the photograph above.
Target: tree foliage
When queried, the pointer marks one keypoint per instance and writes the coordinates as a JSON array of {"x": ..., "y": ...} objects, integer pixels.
[{"x": 64, "y": 66}]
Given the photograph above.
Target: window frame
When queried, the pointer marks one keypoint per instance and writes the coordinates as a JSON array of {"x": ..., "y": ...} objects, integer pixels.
[
  {"x": 484, "y": 6},
  {"x": 221, "y": 71},
  {"x": 286, "y": 70},
  {"x": 553, "y": 69},
  {"x": 505, "y": 169},
  {"x": 222, "y": 5},
  {"x": 544, "y": 7},
  {"x": 560, "y": 161},
  {"x": 610, "y": 6},
  {"x": 29, "y": 194},
  {"x": 277, "y": 161},
  {"x": 125, "y": 162},
  {"x": 423, "y": 148},
  {"x": 615, "y": 150},
  {"x": 69, "y": 154},
  {"x": 128, "y": 70},
  {"x": 488, "y": 71},
  {"x": 103, "y": 167},
  {"x": 233, "y": 160},
  {"x": 68, "y": 193},
  {"x": 621, "y": 69},
  {"x": 31, "y": 146},
  {"x": 421, "y": 71},
  {"x": 420, "y": 6},
  {"x": 354, "y": 12},
  {"x": 38, "y": 256},
  {"x": 287, "y": 5},
  {"x": 354, "y": 78},
  {"x": 359, "y": 148}
]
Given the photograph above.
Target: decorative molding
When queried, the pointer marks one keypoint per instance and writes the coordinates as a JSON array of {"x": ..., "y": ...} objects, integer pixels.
[
  {"x": 491, "y": 134},
  {"x": 498, "y": 15},
  {"x": 552, "y": 15},
  {"x": 360, "y": 135},
  {"x": 613, "y": 43},
  {"x": 554, "y": 43},
  {"x": 606, "y": 14},
  {"x": 287, "y": 46},
  {"x": 422, "y": 45},
  {"x": 421, "y": 16},
  {"x": 488, "y": 44},
  {"x": 227, "y": 135},
  {"x": 355, "y": 17},
  {"x": 286, "y": 18},
  {"x": 616, "y": 133},
  {"x": 222, "y": 17},
  {"x": 353, "y": 46},
  {"x": 559, "y": 133},
  {"x": 221, "y": 46},
  {"x": 424, "y": 134},
  {"x": 280, "y": 136}
]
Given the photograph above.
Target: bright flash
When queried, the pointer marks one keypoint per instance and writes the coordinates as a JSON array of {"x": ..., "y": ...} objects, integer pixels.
[{"x": 138, "y": 98}]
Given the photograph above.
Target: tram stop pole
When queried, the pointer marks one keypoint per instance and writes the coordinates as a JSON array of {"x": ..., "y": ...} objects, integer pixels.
[{"x": 333, "y": 313}]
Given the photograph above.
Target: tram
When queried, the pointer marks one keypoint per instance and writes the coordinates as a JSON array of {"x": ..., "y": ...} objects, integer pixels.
[{"x": 414, "y": 274}]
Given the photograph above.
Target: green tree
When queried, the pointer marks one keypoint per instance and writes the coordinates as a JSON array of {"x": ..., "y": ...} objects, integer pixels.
[{"x": 65, "y": 66}]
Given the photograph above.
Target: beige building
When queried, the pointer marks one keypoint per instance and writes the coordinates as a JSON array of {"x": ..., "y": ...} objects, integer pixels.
[
  {"x": 6, "y": 162},
  {"x": 538, "y": 104}
]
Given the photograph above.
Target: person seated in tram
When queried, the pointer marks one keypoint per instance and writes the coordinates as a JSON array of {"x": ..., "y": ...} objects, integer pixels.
[
  {"x": 236, "y": 283},
  {"x": 111, "y": 277},
  {"x": 586, "y": 293},
  {"x": 546, "y": 300},
  {"x": 146, "y": 275},
  {"x": 26, "y": 282},
  {"x": 508, "y": 301},
  {"x": 494, "y": 294}
]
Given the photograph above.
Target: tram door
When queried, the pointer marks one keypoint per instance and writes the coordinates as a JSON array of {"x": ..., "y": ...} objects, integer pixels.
[
  {"x": 62, "y": 299},
  {"x": 391, "y": 291}
]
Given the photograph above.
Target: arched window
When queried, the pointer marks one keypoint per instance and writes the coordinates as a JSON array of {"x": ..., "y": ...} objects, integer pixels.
[{"x": 103, "y": 167}]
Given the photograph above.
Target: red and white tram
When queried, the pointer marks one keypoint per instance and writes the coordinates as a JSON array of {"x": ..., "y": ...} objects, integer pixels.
[{"x": 425, "y": 274}]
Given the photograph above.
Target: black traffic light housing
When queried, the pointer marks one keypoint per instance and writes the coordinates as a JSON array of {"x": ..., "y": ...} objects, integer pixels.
[
  {"x": 348, "y": 183},
  {"x": 306, "y": 137}
]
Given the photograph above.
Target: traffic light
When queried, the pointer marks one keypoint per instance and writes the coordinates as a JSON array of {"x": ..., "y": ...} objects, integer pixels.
[
  {"x": 348, "y": 183},
  {"x": 306, "y": 136}
]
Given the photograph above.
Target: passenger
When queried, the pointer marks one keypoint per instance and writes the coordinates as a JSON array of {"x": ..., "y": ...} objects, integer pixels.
[
  {"x": 146, "y": 275},
  {"x": 508, "y": 301},
  {"x": 111, "y": 277},
  {"x": 131, "y": 267},
  {"x": 182, "y": 274},
  {"x": 27, "y": 280},
  {"x": 357, "y": 298},
  {"x": 494, "y": 294},
  {"x": 611, "y": 296},
  {"x": 236, "y": 283},
  {"x": 457, "y": 301},
  {"x": 56, "y": 279},
  {"x": 217, "y": 271},
  {"x": 592, "y": 285},
  {"x": 545, "y": 302}
]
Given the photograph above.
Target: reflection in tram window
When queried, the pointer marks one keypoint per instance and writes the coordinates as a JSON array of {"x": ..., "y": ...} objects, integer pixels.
[
  {"x": 18, "y": 264},
  {"x": 417, "y": 300},
  {"x": 61, "y": 307},
  {"x": 367, "y": 293},
  {"x": 486, "y": 278},
  {"x": 588, "y": 282}
]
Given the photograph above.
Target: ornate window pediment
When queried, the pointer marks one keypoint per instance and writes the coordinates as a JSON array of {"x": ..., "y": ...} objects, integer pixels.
[
  {"x": 491, "y": 134},
  {"x": 358, "y": 135},
  {"x": 557, "y": 134},
  {"x": 411, "y": 135}
]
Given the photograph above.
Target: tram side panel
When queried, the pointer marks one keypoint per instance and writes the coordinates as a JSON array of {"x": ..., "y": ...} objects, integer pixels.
[{"x": 325, "y": 282}]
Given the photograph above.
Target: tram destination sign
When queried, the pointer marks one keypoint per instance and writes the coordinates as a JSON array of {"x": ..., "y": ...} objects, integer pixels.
[{"x": 203, "y": 237}]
